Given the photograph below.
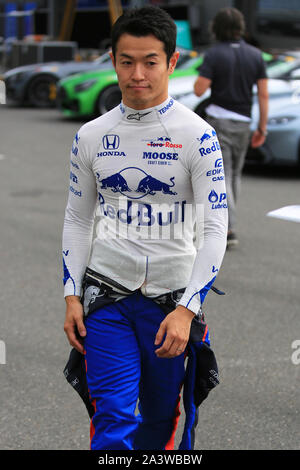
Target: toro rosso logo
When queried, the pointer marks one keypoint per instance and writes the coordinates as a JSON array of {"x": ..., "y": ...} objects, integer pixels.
[
  {"x": 111, "y": 142},
  {"x": 124, "y": 182},
  {"x": 163, "y": 141}
]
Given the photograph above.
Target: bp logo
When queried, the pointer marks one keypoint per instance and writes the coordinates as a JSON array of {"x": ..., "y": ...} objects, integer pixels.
[{"x": 218, "y": 201}]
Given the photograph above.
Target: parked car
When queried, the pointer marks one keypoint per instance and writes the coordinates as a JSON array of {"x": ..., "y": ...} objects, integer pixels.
[
  {"x": 91, "y": 94},
  {"x": 286, "y": 67},
  {"x": 35, "y": 84},
  {"x": 282, "y": 144}
]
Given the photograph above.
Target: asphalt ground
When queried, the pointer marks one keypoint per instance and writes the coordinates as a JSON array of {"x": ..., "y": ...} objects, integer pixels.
[{"x": 252, "y": 327}]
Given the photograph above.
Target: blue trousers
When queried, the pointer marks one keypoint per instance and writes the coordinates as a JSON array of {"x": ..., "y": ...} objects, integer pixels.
[{"x": 122, "y": 368}]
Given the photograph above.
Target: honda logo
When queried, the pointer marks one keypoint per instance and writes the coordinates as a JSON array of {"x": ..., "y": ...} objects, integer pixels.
[{"x": 111, "y": 142}]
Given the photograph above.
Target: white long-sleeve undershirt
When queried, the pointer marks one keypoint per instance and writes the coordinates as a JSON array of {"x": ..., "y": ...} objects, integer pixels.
[{"x": 152, "y": 176}]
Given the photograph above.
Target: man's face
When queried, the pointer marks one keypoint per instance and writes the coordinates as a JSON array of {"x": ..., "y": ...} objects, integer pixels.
[{"x": 142, "y": 69}]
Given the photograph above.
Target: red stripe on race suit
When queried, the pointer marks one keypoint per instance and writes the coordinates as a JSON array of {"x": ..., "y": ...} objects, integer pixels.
[
  {"x": 170, "y": 443},
  {"x": 92, "y": 427}
]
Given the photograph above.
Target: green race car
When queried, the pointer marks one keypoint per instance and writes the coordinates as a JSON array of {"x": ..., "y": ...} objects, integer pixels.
[{"x": 91, "y": 94}]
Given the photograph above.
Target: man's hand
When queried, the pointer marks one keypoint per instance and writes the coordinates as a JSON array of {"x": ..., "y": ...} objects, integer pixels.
[
  {"x": 176, "y": 326},
  {"x": 257, "y": 139},
  {"x": 74, "y": 323}
]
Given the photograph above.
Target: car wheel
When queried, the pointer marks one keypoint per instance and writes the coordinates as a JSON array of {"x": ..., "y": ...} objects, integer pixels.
[
  {"x": 108, "y": 99},
  {"x": 41, "y": 92}
]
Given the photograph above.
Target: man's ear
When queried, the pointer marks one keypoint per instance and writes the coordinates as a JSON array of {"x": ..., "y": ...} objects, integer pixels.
[
  {"x": 173, "y": 62},
  {"x": 112, "y": 58}
]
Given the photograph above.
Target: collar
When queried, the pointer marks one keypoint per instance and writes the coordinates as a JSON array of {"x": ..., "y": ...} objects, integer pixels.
[{"x": 155, "y": 113}]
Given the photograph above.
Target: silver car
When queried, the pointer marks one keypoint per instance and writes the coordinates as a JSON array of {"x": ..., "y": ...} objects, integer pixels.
[
  {"x": 35, "y": 84},
  {"x": 282, "y": 145}
]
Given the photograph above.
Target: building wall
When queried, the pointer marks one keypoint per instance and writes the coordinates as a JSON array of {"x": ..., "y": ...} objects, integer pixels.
[{"x": 276, "y": 24}]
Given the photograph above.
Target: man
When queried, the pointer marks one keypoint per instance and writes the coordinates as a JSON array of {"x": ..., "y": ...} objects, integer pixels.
[
  {"x": 144, "y": 164},
  {"x": 230, "y": 68}
]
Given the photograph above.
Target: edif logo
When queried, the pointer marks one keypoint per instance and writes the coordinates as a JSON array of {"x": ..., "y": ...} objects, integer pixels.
[{"x": 111, "y": 142}]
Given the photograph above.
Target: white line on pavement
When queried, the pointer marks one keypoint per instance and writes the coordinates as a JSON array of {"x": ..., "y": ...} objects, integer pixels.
[{"x": 2, "y": 92}]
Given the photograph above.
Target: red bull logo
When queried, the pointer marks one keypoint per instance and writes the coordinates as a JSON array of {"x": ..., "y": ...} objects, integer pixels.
[
  {"x": 208, "y": 134},
  {"x": 131, "y": 219},
  {"x": 209, "y": 150},
  {"x": 150, "y": 185},
  {"x": 142, "y": 214},
  {"x": 136, "y": 219},
  {"x": 116, "y": 183},
  {"x": 147, "y": 183}
]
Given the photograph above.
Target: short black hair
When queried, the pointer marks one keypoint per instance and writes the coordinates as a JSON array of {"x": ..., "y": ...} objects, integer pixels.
[
  {"x": 228, "y": 24},
  {"x": 145, "y": 21}
]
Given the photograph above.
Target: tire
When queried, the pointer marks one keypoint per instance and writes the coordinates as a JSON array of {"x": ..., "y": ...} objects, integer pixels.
[
  {"x": 39, "y": 91},
  {"x": 108, "y": 99}
]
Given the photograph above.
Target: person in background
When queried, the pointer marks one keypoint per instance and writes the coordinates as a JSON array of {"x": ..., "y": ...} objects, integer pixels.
[{"x": 230, "y": 69}]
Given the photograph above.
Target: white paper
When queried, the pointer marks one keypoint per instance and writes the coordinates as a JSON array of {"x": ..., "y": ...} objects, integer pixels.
[{"x": 291, "y": 213}]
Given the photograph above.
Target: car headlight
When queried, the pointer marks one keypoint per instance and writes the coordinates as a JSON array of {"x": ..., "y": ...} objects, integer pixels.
[
  {"x": 85, "y": 85},
  {"x": 280, "y": 120},
  {"x": 16, "y": 77}
]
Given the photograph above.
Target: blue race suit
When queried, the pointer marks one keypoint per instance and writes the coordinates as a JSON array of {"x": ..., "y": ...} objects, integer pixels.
[{"x": 159, "y": 392}]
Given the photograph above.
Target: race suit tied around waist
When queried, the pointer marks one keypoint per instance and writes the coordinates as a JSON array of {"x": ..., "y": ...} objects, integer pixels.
[
  {"x": 98, "y": 290},
  {"x": 201, "y": 369}
]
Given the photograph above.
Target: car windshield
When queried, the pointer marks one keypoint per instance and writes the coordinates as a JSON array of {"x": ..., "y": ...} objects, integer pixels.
[
  {"x": 103, "y": 58},
  {"x": 187, "y": 62}
]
